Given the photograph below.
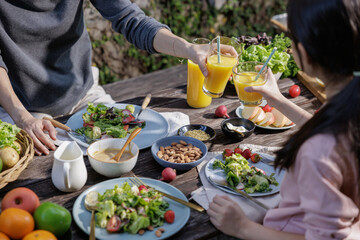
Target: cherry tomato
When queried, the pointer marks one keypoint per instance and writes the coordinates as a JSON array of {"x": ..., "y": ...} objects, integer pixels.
[
  {"x": 238, "y": 150},
  {"x": 267, "y": 108},
  {"x": 255, "y": 158},
  {"x": 246, "y": 153},
  {"x": 169, "y": 216},
  {"x": 142, "y": 187},
  {"x": 294, "y": 91},
  {"x": 227, "y": 152},
  {"x": 113, "y": 225}
]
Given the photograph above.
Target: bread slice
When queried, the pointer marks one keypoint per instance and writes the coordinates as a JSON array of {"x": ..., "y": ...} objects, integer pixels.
[
  {"x": 280, "y": 119},
  {"x": 268, "y": 120},
  {"x": 259, "y": 116},
  {"x": 249, "y": 112}
]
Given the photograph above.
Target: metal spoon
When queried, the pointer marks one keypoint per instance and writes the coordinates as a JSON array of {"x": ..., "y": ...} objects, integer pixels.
[
  {"x": 91, "y": 200},
  {"x": 130, "y": 138}
]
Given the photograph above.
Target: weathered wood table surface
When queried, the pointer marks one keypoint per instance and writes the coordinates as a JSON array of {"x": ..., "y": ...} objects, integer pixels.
[{"x": 168, "y": 89}]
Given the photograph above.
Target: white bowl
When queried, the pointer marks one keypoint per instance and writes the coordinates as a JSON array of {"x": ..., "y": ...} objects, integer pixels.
[{"x": 112, "y": 169}]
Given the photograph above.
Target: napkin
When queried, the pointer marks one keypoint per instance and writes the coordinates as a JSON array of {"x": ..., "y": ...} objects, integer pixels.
[
  {"x": 175, "y": 120},
  {"x": 205, "y": 194}
]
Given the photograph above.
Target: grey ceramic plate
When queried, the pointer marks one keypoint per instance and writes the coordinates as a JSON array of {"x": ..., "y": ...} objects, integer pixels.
[
  {"x": 220, "y": 174},
  {"x": 182, "y": 213},
  {"x": 156, "y": 126}
]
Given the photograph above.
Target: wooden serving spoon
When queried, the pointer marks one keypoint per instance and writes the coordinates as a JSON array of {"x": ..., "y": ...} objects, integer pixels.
[{"x": 130, "y": 138}]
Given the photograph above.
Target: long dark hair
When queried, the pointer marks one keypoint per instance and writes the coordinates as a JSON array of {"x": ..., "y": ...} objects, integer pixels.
[{"x": 329, "y": 30}]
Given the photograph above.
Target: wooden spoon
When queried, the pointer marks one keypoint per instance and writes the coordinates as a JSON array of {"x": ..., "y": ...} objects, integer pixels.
[
  {"x": 130, "y": 138},
  {"x": 91, "y": 200}
]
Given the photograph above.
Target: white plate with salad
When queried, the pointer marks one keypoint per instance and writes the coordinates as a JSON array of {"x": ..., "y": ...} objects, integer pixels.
[
  {"x": 238, "y": 112},
  {"x": 156, "y": 126},
  {"x": 218, "y": 175},
  {"x": 182, "y": 213}
]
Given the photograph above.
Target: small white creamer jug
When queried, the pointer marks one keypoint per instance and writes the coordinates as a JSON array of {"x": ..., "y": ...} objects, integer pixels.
[{"x": 69, "y": 171}]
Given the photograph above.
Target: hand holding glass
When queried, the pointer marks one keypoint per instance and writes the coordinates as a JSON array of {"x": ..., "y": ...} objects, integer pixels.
[
  {"x": 195, "y": 96},
  {"x": 244, "y": 75},
  {"x": 220, "y": 71}
]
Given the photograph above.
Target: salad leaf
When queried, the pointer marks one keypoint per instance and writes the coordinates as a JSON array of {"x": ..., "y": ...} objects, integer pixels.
[
  {"x": 8, "y": 134},
  {"x": 116, "y": 132},
  {"x": 105, "y": 211},
  {"x": 139, "y": 223}
]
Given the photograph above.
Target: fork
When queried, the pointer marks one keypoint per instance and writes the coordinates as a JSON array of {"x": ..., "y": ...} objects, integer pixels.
[{"x": 137, "y": 181}]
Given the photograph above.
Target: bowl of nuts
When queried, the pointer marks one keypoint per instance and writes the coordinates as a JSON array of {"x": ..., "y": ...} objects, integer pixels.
[{"x": 179, "y": 152}]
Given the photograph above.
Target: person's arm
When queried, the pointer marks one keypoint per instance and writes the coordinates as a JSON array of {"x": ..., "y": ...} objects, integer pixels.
[
  {"x": 168, "y": 43},
  {"x": 273, "y": 96},
  {"x": 23, "y": 119},
  {"x": 228, "y": 217}
]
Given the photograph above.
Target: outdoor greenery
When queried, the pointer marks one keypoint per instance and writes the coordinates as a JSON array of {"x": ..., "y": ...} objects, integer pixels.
[{"x": 190, "y": 19}]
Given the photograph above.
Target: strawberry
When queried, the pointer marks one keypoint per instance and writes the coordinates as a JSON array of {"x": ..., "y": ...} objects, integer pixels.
[
  {"x": 227, "y": 153},
  {"x": 266, "y": 108},
  {"x": 238, "y": 150},
  {"x": 255, "y": 158},
  {"x": 246, "y": 153}
]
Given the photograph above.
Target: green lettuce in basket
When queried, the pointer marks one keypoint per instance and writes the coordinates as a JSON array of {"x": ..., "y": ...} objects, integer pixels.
[{"x": 8, "y": 134}]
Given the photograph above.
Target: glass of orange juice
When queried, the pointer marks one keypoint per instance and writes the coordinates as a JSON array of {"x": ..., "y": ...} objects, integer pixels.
[
  {"x": 195, "y": 97},
  {"x": 244, "y": 75},
  {"x": 220, "y": 64}
]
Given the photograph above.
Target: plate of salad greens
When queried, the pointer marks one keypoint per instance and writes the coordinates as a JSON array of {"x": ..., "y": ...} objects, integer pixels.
[
  {"x": 256, "y": 179},
  {"x": 137, "y": 209},
  {"x": 118, "y": 121}
]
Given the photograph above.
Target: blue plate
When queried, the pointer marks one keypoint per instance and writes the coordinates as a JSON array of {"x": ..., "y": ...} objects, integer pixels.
[
  {"x": 156, "y": 125},
  {"x": 182, "y": 213},
  {"x": 220, "y": 174}
]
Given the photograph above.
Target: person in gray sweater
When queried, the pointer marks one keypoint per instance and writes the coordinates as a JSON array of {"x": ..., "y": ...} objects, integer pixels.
[{"x": 45, "y": 56}]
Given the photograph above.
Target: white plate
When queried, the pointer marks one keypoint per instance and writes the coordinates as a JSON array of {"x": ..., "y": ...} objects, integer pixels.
[
  {"x": 220, "y": 174},
  {"x": 239, "y": 110},
  {"x": 182, "y": 213},
  {"x": 156, "y": 125}
]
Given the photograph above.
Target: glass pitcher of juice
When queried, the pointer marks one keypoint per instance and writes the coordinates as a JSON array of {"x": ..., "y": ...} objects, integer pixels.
[{"x": 195, "y": 97}]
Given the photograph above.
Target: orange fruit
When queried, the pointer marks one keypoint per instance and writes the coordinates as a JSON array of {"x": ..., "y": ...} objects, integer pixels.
[
  {"x": 3, "y": 236},
  {"x": 40, "y": 235},
  {"x": 16, "y": 222}
]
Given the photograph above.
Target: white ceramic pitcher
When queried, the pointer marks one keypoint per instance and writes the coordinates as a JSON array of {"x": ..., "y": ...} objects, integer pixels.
[{"x": 69, "y": 172}]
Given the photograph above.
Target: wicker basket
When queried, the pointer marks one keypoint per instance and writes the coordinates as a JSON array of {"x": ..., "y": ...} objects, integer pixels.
[{"x": 26, "y": 156}]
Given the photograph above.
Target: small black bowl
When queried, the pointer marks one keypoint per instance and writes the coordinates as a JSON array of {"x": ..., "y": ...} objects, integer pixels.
[
  {"x": 249, "y": 125},
  {"x": 207, "y": 129}
]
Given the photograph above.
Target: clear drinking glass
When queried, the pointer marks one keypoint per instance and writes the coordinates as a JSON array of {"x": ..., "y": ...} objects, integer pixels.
[
  {"x": 220, "y": 66},
  {"x": 195, "y": 97},
  {"x": 244, "y": 75}
]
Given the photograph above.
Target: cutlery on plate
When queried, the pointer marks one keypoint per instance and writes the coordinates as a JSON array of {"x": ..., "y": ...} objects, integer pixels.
[
  {"x": 76, "y": 135},
  {"x": 143, "y": 106},
  {"x": 137, "y": 181},
  {"x": 90, "y": 202},
  {"x": 244, "y": 194}
]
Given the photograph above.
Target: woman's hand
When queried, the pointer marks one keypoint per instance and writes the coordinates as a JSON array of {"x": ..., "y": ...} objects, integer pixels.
[
  {"x": 35, "y": 128},
  {"x": 198, "y": 55},
  {"x": 227, "y": 216},
  {"x": 269, "y": 90}
]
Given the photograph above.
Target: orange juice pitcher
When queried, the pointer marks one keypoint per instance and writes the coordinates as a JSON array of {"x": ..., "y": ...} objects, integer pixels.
[{"x": 195, "y": 97}]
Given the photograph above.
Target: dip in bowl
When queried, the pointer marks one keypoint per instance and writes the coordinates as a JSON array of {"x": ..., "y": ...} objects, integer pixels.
[{"x": 100, "y": 154}]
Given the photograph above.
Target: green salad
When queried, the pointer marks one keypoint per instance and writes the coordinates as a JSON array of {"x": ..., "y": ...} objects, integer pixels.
[
  {"x": 102, "y": 120},
  {"x": 259, "y": 48},
  {"x": 130, "y": 209},
  {"x": 8, "y": 134},
  {"x": 238, "y": 171}
]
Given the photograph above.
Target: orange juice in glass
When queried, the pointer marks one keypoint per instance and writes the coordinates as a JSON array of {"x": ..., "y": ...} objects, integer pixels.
[
  {"x": 195, "y": 97},
  {"x": 244, "y": 75},
  {"x": 220, "y": 64}
]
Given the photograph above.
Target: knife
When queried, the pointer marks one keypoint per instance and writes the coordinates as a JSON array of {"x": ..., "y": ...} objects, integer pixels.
[
  {"x": 71, "y": 132},
  {"x": 143, "y": 106}
]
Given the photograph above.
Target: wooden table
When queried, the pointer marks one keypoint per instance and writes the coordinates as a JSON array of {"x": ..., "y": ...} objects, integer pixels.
[{"x": 168, "y": 89}]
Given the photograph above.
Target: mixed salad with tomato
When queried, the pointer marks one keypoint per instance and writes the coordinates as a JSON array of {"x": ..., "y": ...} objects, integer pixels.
[
  {"x": 132, "y": 209},
  {"x": 100, "y": 120},
  {"x": 242, "y": 176}
]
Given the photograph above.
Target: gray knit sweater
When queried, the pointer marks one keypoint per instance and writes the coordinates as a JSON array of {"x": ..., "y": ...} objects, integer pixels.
[{"x": 46, "y": 49}]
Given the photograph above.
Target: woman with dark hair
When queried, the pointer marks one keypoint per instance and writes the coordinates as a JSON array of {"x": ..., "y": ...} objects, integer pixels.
[{"x": 320, "y": 192}]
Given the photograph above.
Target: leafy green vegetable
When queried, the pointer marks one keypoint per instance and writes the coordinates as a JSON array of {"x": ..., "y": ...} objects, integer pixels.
[
  {"x": 292, "y": 68},
  {"x": 257, "y": 183},
  {"x": 8, "y": 134}
]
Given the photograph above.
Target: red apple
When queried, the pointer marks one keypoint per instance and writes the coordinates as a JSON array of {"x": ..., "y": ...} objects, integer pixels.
[{"x": 21, "y": 197}]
